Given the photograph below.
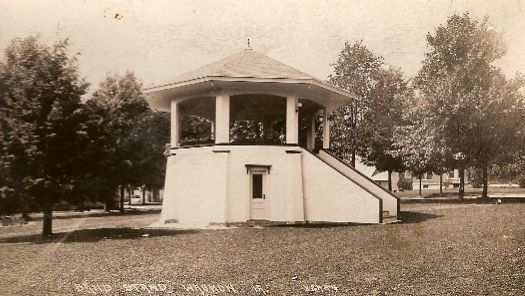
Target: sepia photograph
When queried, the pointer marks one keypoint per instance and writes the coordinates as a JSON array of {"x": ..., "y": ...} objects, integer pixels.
[{"x": 262, "y": 147}]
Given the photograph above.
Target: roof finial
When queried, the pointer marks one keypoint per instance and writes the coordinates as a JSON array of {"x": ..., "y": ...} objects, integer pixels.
[{"x": 249, "y": 43}]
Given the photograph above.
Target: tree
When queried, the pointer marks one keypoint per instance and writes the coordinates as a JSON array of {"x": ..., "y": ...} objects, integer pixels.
[
  {"x": 366, "y": 126},
  {"x": 153, "y": 133},
  {"x": 41, "y": 123},
  {"x": 380, "y": 119},
  {"x": 356, "y": 71},
  {"x": 456, "y": 80},
  {"x": 195, "y": 130},
  {"x": 420, "y": 145},
  {"x": 129, "y": 138},
  {"x": 414, "y": 153},
  {"x": 98, "y": 158},
  {"x": 498, "y": 132}
]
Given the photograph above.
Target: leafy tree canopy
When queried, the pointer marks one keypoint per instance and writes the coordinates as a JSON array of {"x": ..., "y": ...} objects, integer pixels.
[
  {"x": 366, "y": 126},
  {"x": 128, "y": 140},
  {"x": 40, "y": 120},
  {"x": 471, "y": 108},
  {"x": 356, "y": 71}
]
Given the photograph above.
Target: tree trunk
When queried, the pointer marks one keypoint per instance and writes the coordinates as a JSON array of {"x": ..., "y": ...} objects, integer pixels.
[
  {"x": 441, "y": 184},
  {"x": 129, "y": 195},
  {"x": 47, "y": 228},
  {"x": 390, "y": 181},
  {"x": 25, "y": 214},
  {"x": 121, "y": 199},
  {"x": 461, "y": 183},
  {"x": 353, "y": 158},
  {"x": 143, "y": 195},
  {"x": 107, "y": 205},
  {"x": 420, "y": 176},
  {"x": 485, "y": 194},
  {"x": 24, "y": 209},
  {"x": 109, "y": 202}
]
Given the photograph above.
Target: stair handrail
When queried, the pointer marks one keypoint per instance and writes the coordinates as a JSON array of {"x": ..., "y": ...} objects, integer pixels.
[
  {"x": 357, "y": 171},
  {"x": 344, "y": 175}
]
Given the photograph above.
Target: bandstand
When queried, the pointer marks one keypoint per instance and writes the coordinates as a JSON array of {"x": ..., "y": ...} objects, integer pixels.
[{"x": 261, "y": 159}]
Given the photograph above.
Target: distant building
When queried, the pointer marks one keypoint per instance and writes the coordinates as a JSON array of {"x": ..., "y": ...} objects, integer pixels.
[
  {"x": 379, "y": 177},
  {"x": 429, "y": 180}
]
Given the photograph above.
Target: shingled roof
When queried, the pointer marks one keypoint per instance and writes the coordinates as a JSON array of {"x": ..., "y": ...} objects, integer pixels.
[
  {"x": 246, "y": 66},
  {"x": 247, "y": 63}
]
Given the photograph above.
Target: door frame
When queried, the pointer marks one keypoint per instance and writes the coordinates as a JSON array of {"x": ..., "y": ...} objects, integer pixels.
[{"x": 264, "y": 174}]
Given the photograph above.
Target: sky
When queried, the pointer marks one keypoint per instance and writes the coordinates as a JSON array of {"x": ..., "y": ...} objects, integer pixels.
[{"x": 160, "y": 39}]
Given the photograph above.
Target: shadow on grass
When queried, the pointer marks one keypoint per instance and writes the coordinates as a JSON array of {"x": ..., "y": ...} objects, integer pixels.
[
  {"x": 87, "y": 214},
  {"x": 95, "y": 235},
  {"x": 468, "y": 200},
  {"x": 317, "y": 225},
  {"x": 408, "y": 217},
  {"x": 428, "y": 194}
]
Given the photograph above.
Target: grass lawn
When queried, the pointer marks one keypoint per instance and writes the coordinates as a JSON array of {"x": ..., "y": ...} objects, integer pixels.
[
  {"x": 469, "y": 191},
  {"x": 439, "y": 249}
]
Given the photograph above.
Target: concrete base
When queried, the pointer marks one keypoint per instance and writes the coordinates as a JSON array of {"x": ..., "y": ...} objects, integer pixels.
[{"x": 212, "y": 186}]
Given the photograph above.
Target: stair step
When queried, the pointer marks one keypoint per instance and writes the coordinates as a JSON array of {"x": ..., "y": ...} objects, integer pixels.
[{"x": 389, "y": 219}]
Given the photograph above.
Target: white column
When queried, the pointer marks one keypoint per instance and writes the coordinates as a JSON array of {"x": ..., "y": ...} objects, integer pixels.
[
  {"x": 456, "y": 173},
  {"x": 310, "y": 134},
  {"x": 292, "y": 120},
  {"x": 175, "y": 124},
  {"x": 326, "y": 130},
  {"x": 222, "y": 119}
]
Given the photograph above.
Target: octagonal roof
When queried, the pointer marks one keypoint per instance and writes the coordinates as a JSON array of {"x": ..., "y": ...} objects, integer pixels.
[
  {"x": 247, "y": 63},
  {"x": 246, "y": 69}
]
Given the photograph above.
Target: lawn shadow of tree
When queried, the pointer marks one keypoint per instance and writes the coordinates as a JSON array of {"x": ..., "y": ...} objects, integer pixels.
[
  {"x": 409, "y": 217},
  {"x": 87, "y": 214},
  {"x": 406, "y": 217},
  {"x": 95, "y": 235}
]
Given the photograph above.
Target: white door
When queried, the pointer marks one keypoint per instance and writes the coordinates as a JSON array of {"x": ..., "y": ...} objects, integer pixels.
[{"x": 258, "y": 201}]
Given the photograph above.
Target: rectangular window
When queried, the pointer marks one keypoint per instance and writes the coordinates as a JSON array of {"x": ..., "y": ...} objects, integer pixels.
[{"x": 257, "y": 186}]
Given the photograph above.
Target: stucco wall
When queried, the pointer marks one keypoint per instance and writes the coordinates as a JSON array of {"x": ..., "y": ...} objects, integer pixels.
[
  {"x": 389, "y": 201},
  {"x": 195, "y": 187},
  {"x": 211, "y": 185},
  {"x": 331, "y": 196},
  {"x": 280, "y": 202}
]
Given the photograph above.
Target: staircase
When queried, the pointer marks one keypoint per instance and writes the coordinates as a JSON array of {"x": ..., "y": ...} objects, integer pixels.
[
  {"x": 388, "y": 218},
  {"x": 390, "y": 202}
]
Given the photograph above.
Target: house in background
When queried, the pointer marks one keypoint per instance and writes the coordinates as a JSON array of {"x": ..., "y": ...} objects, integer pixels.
[
  {"x": 429, "y": 180},
  {"x": 149, "y": 196},
  {"x": 276, "y": 179},
  {"x": 379, "y": 177}
]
